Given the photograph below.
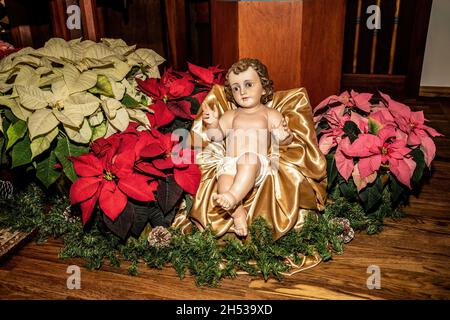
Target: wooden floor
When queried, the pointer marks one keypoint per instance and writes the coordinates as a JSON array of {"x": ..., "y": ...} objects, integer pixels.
[{"x": 413, "y": 255}]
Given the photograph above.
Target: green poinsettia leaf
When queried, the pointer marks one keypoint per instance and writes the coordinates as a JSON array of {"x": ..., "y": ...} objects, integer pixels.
[
  {"x": 77, "y": 81},
  {"x": 371, "y": 195},
  {"x": 81, "y": 135},
  {"x": 42, "y": 143},
  {"x": 33, "y": 98},
  {"x": 65, "y": 149},
  {"x": 46, "y": 171},
  {"x": 374, "y": 126},
  {"x": 41, "y": 122},
  {"x": 21, "y": 152},
  {"x": 15, "y": 132},
  {"x": 129, "y": 101},
  {"x": 397, "y": 188},
  {"x": 351, "y": 130},
  {"x": 419, "y": 159},
  {"x": 99, "y": 131},
  {"x": 332, "y": 172},
  {"x": 103, "y": 87}
]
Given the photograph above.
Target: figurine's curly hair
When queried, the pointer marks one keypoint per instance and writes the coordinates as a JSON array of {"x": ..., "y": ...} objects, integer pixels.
[{"x": 241, "y": 66}]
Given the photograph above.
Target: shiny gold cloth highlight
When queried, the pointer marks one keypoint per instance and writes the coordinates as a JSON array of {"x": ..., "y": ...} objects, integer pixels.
[{"x": 284, "y": 198}]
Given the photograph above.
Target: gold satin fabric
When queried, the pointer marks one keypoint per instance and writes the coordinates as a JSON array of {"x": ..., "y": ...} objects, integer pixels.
[{"x": 283, "y": 198}]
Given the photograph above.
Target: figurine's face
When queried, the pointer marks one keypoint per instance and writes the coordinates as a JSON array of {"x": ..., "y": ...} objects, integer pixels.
[{"x": 247, "y": 88}]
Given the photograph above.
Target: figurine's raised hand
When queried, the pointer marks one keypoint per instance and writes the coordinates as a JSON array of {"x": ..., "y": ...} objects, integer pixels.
[{"x": 210, "y": 117}]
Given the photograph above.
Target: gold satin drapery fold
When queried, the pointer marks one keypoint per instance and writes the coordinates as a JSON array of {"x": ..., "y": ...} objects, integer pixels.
[{"x": 284, "y": 197}]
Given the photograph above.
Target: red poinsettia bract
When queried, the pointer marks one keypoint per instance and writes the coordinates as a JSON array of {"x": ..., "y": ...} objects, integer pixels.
[{"x": 129, "y": 165}]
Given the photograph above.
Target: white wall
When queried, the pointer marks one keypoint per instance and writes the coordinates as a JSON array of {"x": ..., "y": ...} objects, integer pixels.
[{"x": 436, "y": 64}]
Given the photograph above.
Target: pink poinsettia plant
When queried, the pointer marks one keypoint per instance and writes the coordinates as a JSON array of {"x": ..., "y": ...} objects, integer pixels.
[
  {"x": 141, "y": 174},
  {"x": 367, "y": 137}
]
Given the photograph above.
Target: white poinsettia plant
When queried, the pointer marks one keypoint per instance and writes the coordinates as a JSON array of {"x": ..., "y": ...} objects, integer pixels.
[{"x": 57, "y": 99}]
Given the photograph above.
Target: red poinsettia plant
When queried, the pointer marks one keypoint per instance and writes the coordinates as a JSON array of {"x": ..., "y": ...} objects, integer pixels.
[
  {"x": 179, "y": 94},
  {"x": 140, "y": 175},
  {"x": 373, "y": 142}
]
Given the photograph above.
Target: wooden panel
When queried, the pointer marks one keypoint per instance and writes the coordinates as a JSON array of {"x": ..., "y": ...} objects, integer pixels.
[
  {"x": 299, "y": 41},
  {"x": 224, "y": 32},
  {"x": 139, "y": 23},
  {"x": 176, "y": 25},
  {"x": 390, "y": 84},
  {"x": 271, "y": 32},
  {"x": 322, "y": 47},
  {"x": 91, "y": 29}
]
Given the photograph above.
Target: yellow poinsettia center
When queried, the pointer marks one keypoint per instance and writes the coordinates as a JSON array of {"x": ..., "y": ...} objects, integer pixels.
[
  {"x": 107, "y": 175},
  {"x": 384, "y": 150},
  {"x": 165, "y": 98}
]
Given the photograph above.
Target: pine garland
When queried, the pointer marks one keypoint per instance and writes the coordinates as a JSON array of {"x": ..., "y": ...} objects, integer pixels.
[{"x": 198, "y": 253}]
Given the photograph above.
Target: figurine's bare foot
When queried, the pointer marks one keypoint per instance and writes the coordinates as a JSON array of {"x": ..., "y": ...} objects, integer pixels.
[
  {"x": 226, "y": 200},
  {"x": 240, "y": 222}
]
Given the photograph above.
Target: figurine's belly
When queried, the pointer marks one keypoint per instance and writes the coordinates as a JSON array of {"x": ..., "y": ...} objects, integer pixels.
[{"x": 242, "y": 140}]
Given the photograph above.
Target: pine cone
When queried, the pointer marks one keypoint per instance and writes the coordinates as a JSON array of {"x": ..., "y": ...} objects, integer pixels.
[
  {"x": 347, "y": 233},
  {"x": 6, "y": 190},
  {"x": 159, "y": 237}
]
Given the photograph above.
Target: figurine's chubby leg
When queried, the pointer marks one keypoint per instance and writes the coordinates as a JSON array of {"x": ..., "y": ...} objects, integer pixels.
[
  {"x": 240, "y": 214},
  {"x": 247, "y": 167}
]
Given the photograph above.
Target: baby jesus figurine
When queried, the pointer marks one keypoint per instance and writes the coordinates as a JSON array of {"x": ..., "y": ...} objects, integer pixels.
[{"x": 249, "y": 132}]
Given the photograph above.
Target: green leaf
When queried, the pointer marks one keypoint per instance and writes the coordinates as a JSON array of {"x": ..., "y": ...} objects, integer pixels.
[
  {"x": 21, "y": 152},
  {"x": 371, "y": 195},
  {"x": 419, "y": 159},
  {"x": 348, "y": 188},
  {"x": 129, "y": 101},
  {"x": 15, "y": 132},
  {"x": 373, "y": 126},
  {"x": 331, "y": 169},
  {"x": 351, "y": 130},
  {"x": 397, "y": 188},
  {"x": 42, "y": 143},
  {"x": 103, "y": 87},
  {"x": 45, "y": 170},
  {"x": 65, "y": 149},
  {"x": 99, "y": 131}
]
